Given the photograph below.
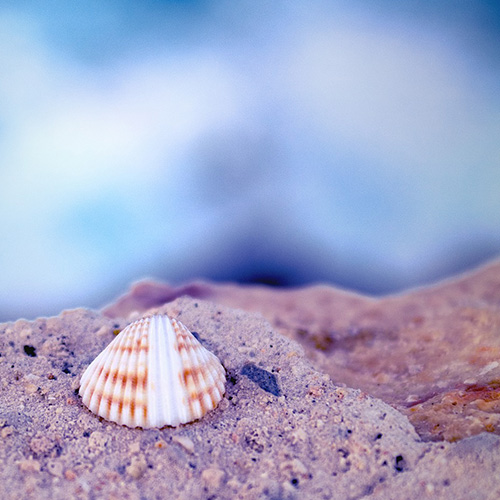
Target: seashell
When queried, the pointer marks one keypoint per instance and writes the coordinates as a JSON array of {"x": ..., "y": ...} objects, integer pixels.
[{"x": 154, "y": 373}]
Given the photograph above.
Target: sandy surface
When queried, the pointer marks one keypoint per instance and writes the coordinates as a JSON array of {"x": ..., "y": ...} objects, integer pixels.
[
  {"x": 289, "y": 426},
  {"x": 432, "y": 353}
]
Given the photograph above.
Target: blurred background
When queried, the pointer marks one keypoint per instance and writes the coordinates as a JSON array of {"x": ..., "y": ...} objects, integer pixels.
[{"x": 284, "y": 142}]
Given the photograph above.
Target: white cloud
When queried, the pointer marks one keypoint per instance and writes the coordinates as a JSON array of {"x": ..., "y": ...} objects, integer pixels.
[{"x": 84, "y": 144}]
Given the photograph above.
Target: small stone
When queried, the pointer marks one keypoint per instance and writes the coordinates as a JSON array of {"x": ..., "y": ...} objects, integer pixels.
[
  {"x": 53, "y": 347},
  {"x": 137, "y": 467},
  {"x": 7, "y": 431},
  {"x": 185, "y": 442},
  {"x": 212, "y": 478},
  {"x": 30, "y": 388},
  {"x": 103, "y": 331},
  {"x": 29, "y": 465},
  {"x": 224, "y": 405},
  {"x": 55, "y": 468},
  {"x": 315, "y": 391},
  {"x": 70, "y": 475},
  {"x": 470, "y": 381},
  {"x": 298, "y": 435},
  {"x": 98, "y": 440},
  {"x": 412, "y": 398},
  {"x": 295, "y": 466},
  {"x": 40, "y": 445},
  {"x": 30, "y": 351},
  {"x": 266, "y": 380},
  {"x": 340, "y": 393}
]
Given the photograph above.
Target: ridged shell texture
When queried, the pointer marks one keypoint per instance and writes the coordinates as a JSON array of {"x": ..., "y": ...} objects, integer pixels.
[{"x": 154, "y": 373}]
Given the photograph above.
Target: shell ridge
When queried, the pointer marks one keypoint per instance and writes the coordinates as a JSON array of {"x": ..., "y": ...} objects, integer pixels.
[
  {"x": 86, "y": 385},
  {"x": 207, "y": 362},
  {"x": 128, "y": 389},
  {"x": 205, "y": 382},
  {"x": 96, "y": 390},
  {"x": 210, "y": 364},
  {"x": 92, "y": 369},
  {"x": 123, "y": 358},
  {"x": 143, "y": 374},
  {"x": 168, "y": 381},
  {"x": 150, "y": 400},
  {"x": 133, "y": 369},
  {"x": 210, "y": 394},
  {"x": 117, "y": 355},
  {"x": 196, "y": 378},
  {"x": 205, "y": 373},
  {"x": 217, "y": 375},
  {"x": 158, "y": 388},
  {"x": 176, "y": 374},
  {"x": 115, "y": 352},
  {"x": 160, "y": 384},
  {"x": 88, "y": 374}
]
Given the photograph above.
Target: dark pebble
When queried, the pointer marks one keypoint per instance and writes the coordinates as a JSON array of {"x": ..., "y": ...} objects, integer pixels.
[
  {"x": 29, "y": 350},
  {"x": 264, "y": 379}
]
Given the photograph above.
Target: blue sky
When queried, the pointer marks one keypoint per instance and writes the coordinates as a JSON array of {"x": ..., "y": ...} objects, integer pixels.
[{"x": 298, "y": 141}]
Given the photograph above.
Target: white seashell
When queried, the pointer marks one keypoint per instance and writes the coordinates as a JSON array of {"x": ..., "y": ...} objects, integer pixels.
[{"x": 154, "y": 373}]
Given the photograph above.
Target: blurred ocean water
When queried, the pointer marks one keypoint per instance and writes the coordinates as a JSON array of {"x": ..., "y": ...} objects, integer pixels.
[{"x": 279, "y": 142}]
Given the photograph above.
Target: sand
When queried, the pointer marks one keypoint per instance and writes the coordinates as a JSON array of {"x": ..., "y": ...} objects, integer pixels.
[
  {"x": 317, "y": 401},
  {"x": 432, "y": 353}
]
